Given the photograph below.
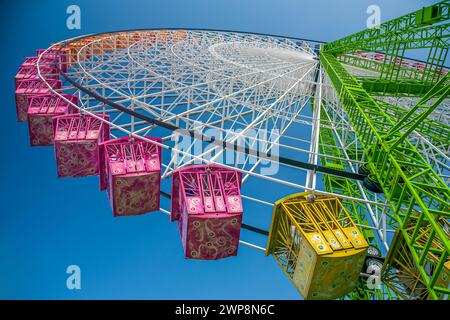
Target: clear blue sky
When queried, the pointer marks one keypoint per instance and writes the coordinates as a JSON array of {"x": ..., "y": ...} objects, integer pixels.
[{"x": 47, "y": 224}]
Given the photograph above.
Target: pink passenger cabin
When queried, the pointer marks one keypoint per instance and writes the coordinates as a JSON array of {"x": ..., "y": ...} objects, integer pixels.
[
  {"x": 77, "y": 144},
  {"x": 49, "y": 64},
  {"x": 379, "y": 57},
  {"x": 32, "y": 62},
  {"x": 54, "y": 56},
  {"x": 419, "y": 66},
  {"x": 398, "y": 61},
  {"x": 131, "y": 173},
  {"x": 31, "y": 73},
  {"x": 41, "y": 110},
  {"x": 206, "y": 202},
  {"x": 27, "y": 89}
]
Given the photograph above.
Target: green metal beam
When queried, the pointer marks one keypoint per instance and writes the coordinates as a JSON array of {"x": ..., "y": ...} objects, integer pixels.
[
  {"x": 401, "y": 29},
  {"x": 404, "y": 87},
  {"x": 437, "y": 133},
  {"x": 415, "y": 192},
  {"x": 421, "y": 29},
  {"x": 377, "y": 66},
  {"x": 417, "y": 38},
  {"x": 358, "y": 211},
  {"x": 411, "y": 120},
  {"x": 409, "y": 81}
]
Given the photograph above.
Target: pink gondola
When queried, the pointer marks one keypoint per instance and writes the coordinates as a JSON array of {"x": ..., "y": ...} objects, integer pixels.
[
  {"x": 41, "y": 110},
  {"x": 131, "y": 173},
  {"x": 54, "y": 56},
  {"x": 419, "y": 66},
  {"x": 363, "y": 54},
  {"x": 398, "y": 61},
  {"x": 77, "y": 143},
  {"x": 378, "y": 57},
  {"x": 31, "y": 73},
  {"x": 26, "y": 89},
  {"x": 206, "y": 202},
  {"x": 32, "y": 61}
]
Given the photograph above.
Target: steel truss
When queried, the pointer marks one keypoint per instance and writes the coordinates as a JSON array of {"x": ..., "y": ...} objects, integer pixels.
[{"x": 278, "y": 96}]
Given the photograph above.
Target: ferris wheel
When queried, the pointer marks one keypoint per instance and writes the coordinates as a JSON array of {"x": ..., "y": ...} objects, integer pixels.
[{"x": 346, "y": 144}]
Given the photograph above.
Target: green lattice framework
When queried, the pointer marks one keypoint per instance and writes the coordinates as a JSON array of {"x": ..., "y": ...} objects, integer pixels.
[
  {"x": 418, "y": 197},
  {"x": 394, "y": 38},
  {"x": 436, "y": 132},
  {"x": 332, "y": 156}
]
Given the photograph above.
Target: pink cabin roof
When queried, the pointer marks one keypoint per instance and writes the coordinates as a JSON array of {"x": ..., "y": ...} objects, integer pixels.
[
  {"x": 31, "y": 73},
  {"x": 32, "y": 61},
  {"x": 53, "y": 54},
  {"x": 124, "y": 157},
  {"x": 418, "y": 66},
  {"x": 52, "y": 104},
  {"x": 74, "y": 127},
  {"x": 37, "y": 86},
  {"x": 206, "y": 189}
]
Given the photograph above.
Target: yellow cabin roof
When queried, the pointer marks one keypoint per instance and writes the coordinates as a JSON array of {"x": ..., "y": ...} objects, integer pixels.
[{"x": 324, "y": 223}]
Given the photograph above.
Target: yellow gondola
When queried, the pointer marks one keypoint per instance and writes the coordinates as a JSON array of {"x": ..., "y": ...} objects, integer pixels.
[{"x": 317, "y": 245}]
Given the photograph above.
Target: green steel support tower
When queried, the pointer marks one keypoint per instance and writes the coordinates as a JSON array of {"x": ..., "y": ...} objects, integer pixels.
[{"x": 372, "y": 78}]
